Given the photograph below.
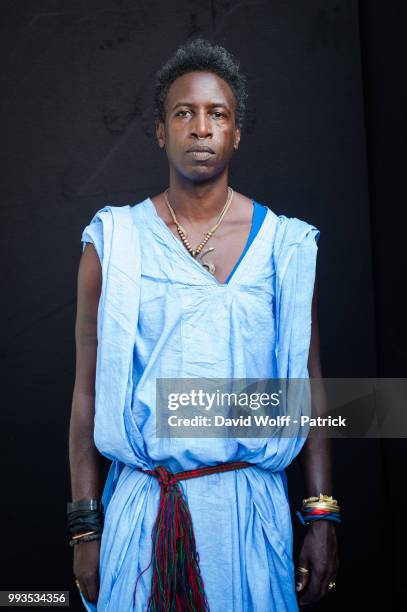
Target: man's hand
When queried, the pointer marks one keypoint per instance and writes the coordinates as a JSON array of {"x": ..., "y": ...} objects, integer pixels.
[
  {"x": 86, "y": 568},
  {"x": 319, "y": 555}
]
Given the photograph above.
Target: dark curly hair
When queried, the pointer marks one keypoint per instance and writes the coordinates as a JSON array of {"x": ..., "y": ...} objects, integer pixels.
[{"x": 201, "y": 55}]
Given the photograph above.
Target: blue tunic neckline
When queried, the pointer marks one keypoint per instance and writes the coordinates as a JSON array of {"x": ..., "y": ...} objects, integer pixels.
[{"x": 260, "y": 213}]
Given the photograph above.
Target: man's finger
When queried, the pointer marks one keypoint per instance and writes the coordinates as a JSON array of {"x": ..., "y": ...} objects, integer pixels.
[
  {"x": 314, "y": 590},
  {"x": 328, "y": 581},
  {"x": 82, "y": 588},
  {"x": 302, "y": 577},
  {"x": 93, "y": 589}
]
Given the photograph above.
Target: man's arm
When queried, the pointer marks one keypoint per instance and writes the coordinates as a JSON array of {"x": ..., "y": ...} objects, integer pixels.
[
  {"x": 319, "y": 549},
  {"x": 316, "y": 453},
  {"x": 85, "y": 461}
]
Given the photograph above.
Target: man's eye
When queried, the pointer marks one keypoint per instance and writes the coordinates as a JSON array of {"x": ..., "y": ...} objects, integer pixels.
[
  {"x": 218, "y": 114},
  {"x": 182, "y": 113}
]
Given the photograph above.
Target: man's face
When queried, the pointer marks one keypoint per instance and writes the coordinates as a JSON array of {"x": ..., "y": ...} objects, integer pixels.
[{"x": 199, "y": 133}]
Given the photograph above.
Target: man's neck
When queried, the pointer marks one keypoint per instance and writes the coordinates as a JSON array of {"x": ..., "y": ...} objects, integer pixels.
[{"x": 198, "y": 202}]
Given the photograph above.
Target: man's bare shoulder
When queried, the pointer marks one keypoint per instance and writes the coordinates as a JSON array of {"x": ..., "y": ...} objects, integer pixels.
[{"x": 90, "y": 268}]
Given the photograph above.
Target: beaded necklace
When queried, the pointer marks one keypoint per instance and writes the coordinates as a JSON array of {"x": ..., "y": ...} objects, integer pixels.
[{"x": 197, "y": 253}]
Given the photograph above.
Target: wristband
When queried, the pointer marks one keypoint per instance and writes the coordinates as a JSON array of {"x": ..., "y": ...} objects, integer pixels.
[{"x": 85, "y": 504}]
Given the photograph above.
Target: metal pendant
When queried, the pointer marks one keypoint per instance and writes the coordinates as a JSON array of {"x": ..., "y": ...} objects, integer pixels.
[{"x": 206, "y": 264}]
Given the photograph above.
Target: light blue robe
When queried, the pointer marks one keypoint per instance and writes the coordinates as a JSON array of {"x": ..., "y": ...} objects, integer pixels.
[{"x": 161, "y": 314}]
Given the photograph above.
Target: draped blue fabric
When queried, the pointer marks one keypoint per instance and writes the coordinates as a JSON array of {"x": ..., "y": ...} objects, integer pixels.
[
  {"x": 162, "y": 315},
  {"x": 259, "y": 213}
]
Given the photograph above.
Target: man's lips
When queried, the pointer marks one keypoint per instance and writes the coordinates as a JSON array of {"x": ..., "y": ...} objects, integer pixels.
[
  {"x": 200, "y": 153},
  {"x": 199, "y": 149}
]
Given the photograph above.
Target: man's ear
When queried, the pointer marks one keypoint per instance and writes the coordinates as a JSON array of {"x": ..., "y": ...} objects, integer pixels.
[
  {"x": 237, "y": 138},
  {"x": 160, "y": 132}
]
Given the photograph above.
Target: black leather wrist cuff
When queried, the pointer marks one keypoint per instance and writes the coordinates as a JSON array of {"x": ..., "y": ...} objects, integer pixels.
[
  {"x": 85, "y": 520},
  {"x": 84, "y": 504}
]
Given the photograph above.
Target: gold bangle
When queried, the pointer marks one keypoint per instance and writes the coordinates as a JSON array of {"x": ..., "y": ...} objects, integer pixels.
[
  {"x": 323, "y": 502},
  {"x": 82, "y": 535},
  {"x": 322, "y": 498},
  {"x": 319, "y": 506}
]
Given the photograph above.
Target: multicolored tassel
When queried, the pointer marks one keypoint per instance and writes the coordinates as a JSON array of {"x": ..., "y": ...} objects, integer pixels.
[{"x": 177, "y": 584}]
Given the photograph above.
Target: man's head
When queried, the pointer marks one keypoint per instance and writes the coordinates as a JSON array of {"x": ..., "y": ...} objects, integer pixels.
[{"x": 200, "y": 100}]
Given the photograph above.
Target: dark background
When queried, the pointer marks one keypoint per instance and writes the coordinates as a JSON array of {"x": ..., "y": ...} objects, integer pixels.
[{"x": 324, "y": 141}]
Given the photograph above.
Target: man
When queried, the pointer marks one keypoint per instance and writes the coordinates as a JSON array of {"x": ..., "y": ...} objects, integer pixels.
[{"x": 197, "y": 281}]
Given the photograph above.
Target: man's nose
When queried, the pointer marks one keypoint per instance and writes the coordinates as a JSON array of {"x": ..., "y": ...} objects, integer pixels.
[{"x": 201, "y": 127}]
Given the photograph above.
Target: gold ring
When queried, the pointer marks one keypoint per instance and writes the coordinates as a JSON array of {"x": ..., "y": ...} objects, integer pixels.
[
  {"x": 331, "y": 585},
  {"x": 303, "y": 570}
]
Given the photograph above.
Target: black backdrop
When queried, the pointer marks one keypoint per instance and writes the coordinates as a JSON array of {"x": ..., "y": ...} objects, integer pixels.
[{"x": 324, "y": 141}]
